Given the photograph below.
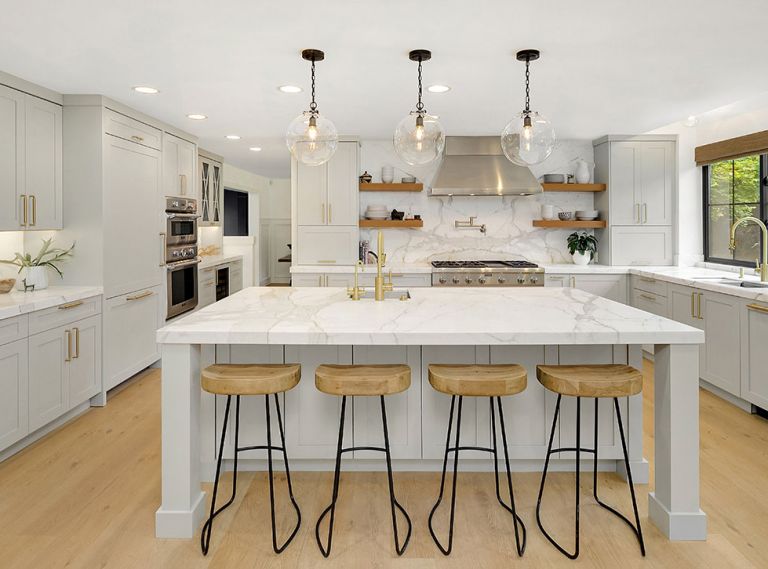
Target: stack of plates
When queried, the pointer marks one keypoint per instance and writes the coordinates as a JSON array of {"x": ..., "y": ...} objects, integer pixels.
[
  {"x": 376, "y": 212},
  {"x": 587, "y": 215}
]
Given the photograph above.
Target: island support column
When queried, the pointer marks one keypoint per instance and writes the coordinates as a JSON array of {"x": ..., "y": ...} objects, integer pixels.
[
  {"x": 183, "y": 501},
  {"x": 674, "y": 505}
]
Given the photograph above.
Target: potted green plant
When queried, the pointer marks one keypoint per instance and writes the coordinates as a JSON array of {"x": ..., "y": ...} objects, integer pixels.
[
  {"x": 582, "y": 247},
  {"x": 36, "y": 268}
]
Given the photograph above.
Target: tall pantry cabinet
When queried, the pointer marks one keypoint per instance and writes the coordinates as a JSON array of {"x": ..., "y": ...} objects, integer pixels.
[
  {"x": 325, "y": 209},
  {"x": 118, "y": 175},
  {"x": 30, "y": 161},
  {"x": 641, "y": 174}
]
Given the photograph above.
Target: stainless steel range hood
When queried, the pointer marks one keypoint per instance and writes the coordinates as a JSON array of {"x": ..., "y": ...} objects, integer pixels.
[{"x": 476, "y": 166}]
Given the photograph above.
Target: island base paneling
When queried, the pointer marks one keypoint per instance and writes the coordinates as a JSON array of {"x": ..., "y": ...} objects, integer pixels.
[{"x": 418, "y": 417}]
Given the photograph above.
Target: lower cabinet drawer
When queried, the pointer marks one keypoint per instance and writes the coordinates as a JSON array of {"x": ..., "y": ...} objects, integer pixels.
[
  {"x": 64, "y": 314},
  {"x": 12, "y": 329},
  {"x": 653, "y": 303},
  {"x": 131, "y": 129},
  {"x": 649, "y": 284},
  {"x": 206, "y": 291},
  {"x": 130, "y": 323}
]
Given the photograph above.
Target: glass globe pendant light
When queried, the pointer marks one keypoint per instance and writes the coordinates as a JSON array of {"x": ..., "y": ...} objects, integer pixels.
[
  {"x": 311, "y": 138},
  {"x": 529, "y": 137},
  {"x": 419, "y": 137}
]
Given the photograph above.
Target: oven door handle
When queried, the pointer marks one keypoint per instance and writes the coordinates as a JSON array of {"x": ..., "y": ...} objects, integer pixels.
[
  {"x": 183, "y": 216},
  {"x": 179, "y": 264}
]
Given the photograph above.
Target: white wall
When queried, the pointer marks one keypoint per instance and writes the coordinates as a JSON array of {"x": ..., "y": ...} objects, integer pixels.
[
  {"x": 10, "y": 243},
  {"x": 510, "y": 233}
]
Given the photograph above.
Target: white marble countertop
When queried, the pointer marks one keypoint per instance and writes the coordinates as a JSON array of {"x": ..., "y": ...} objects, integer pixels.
[
  {"x": 433, "y": 316},
  {"x": 396, "y": 268},
  {"x": 15, "y": 302},
  {"x": 213, "y": 260}
]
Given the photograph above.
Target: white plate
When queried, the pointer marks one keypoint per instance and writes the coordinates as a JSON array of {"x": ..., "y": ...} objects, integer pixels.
[
  {"x": 590, "y": 218},
  {"x": 377, "y": 217}
]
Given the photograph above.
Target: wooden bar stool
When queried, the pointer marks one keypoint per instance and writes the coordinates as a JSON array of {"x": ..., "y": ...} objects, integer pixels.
[
  {"x": 362, "y": 380},
  {"x": 251, "y": 379},
  {"x": 596, "y": 381},
  {"x": 494, "y": 382}
]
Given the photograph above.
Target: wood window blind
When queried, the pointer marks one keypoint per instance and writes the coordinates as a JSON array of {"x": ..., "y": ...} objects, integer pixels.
[{"x": 756, "y": 143}]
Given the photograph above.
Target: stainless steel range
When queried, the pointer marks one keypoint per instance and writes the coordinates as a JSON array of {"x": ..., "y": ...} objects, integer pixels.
[{"x": 486, "y": 273}]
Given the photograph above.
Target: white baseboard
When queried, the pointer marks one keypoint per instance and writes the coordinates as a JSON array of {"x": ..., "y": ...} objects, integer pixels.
[
  {"x": 722, "y": 394},
  {"x": 685, "y": 526}
]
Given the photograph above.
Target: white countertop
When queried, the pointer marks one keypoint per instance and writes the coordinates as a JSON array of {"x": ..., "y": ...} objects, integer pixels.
[
  {"x": 433, "y": 316},
  {"x": 213, "y": 260},
  {"x": 15, "y": 302},
  {"x": 395, "y": 267}
]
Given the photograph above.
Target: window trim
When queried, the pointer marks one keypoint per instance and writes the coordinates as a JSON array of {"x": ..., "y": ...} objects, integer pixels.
[{"x": 763, "y": 176}]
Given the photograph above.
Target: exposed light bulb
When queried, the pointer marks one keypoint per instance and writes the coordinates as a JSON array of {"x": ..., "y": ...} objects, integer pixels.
[{"x": 419, "y": 133}]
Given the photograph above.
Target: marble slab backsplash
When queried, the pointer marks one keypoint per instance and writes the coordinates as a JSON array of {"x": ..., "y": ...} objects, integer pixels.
[{"x": 508, "y": 219}]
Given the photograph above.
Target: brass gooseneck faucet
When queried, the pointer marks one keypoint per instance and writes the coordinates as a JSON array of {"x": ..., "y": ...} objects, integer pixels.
[
  {"x": 764, "y": 229},
  {"x": 381, "y": 258}
]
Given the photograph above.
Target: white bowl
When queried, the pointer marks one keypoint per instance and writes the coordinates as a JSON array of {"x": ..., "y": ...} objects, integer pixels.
[
  {"x": 376, "y": 217},
  {"x": 593, "y": 213}
]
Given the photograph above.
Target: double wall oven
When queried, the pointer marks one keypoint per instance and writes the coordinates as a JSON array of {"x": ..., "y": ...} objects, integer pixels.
[{"x": 181, "y": 258}]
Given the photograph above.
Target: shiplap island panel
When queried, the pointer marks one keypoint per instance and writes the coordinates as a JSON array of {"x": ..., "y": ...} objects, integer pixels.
[{"x": 527, "y": 326}]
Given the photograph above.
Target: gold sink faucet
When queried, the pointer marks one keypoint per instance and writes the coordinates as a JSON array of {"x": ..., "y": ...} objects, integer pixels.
[
  {"x": 764, "y": 229},
  {"x": 381, "y": 258},
  {"x": 355, "y": 292}
]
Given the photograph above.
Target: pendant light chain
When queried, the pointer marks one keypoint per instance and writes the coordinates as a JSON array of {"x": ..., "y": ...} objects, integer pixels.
[
  {"x": 313, "y": 104},
  {"x": 420, "y": 105},
  {"x": 527, "y": 87}
]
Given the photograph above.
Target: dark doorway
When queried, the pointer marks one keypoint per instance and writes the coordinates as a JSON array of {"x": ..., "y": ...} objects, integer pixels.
[{"x": 235, "y": 213}]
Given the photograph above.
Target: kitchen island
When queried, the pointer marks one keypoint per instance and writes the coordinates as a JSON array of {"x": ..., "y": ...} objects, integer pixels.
[{"x": 524, "y": 325}]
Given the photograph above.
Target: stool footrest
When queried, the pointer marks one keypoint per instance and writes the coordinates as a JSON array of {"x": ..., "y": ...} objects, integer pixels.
[
  {"x": 260, "y": 447},
  {"x": 571, "y": 449}
]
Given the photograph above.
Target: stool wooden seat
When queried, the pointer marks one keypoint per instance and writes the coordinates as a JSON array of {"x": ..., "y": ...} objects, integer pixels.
[
  {"x": 250, "y": 379},
  {"x": 381, "y": 379},
  {"x": 603, "y": 380},
  {"x": 495, "y": 380}
]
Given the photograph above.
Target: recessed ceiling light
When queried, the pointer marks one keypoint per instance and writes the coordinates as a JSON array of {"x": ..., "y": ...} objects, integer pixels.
[
  {"x": 290, "y": 89},
  {"x": 196, "y": 117},
  {"x": 144, "y": 90},
  {"x": 438, "y": 88},
  {"x": 255, "y": 148},
  {"x": 233, "y": 137},
  {"x": 692, "y": 120}
]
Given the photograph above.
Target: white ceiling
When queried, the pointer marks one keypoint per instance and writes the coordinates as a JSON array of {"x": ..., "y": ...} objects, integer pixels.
[{"x": 606, "y": 66}]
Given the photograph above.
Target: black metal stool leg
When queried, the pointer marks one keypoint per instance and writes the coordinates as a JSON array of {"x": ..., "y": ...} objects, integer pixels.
[
  {"x": 205, "y": 534},
  {"x": 279, "y": 548},
  {"x": 392, "y": 500},
  {"x": 511, "y": 508},
  {"x": 335, "y": 495},
  {"x": 447, "y": 551}
]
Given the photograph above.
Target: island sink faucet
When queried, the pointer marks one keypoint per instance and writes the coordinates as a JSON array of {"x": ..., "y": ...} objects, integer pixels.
[
  {"x": 764, "y": 229},
  {"x": 381, "y": 258},
  {"x": 458, "y": 224}
]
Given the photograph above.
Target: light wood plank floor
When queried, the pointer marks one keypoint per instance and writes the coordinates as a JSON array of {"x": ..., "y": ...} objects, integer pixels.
[{"x": 85, "y": 497}]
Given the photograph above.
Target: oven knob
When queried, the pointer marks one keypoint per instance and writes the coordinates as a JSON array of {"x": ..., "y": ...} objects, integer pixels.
[
  {"x": 520, "y": 280},
  {"x": 468, "y": 280},
  {"x": 442, "y": 280},
  {"x": 481, "y": 280},
  {"x": 456, "y": 280},
  {"x": 534, "y": 280},
  {"x": 502, "y": 280}
]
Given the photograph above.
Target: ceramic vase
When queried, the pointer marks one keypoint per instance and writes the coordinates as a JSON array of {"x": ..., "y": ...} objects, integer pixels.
[
  {"x": 582, "y": 172},
  {"x": 37, "y": 276},
  {"x": 580, "y": 258}
]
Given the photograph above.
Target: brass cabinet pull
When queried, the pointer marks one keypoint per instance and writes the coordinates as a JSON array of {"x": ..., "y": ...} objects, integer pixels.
[
  {"x": 319, "y": 280},
  {"x": 647, "y": 280},
  {"x": 24, "y": 210},
  {"x": 34, "y": 210},
  {"x": 698, "y": 307},
  {"x": 69, "y": 305},
  {"x": 645, "y": 213},
  {"x": 68, "y": 336},
  {"x": 648, "y": 297},
  {"x": 758, "y": 308},
  {"x": 637, "y": 213},
  {"x": 137, "y": 138},
  {"x": 329, "y": 214},
  {"x": 573, "y": 282},
  {"x": 77, "y": 342},
  {"x": 183, "y": 184},
  {"x": 693, "y": 304},
  {"x": 144, "y": 294}
]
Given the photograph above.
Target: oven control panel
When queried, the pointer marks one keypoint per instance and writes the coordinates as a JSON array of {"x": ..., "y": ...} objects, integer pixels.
[
  {"x": 180, "y": 205},
  {"x": 181, "y": 253}
]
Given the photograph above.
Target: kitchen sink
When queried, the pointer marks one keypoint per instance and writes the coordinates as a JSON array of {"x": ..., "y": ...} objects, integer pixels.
[
  {"x": 734, "y": 282},
  {"x": 397, "y": 294}
]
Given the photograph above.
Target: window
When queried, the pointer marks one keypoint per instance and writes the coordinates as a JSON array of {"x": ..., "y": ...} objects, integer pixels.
[
  {"x": 734, "y": 189},
  {"x": 235, "y": 212}
]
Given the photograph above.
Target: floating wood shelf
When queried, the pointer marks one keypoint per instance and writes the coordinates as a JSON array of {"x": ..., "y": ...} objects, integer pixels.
[
  {"x": 573, "y": 224},
  {"x": 381, "y": 187},
  {"x": 392, "y": 223},
  {"x": 573, "y": 187}
]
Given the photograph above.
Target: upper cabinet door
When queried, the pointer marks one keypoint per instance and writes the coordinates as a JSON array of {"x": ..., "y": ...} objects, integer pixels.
[
  {"x": 11, "y": 158},
  {"x": 312, "y": 185},
  {"x": 43, "y": 157},
  {"x": 657, "y": 178},
  {"x": 343, "y": 188},
  {"x": 179, "y": 161},
  {"x": 624, "y": 184},
  {"x": 132, "y": 184},
  {"x": 210, "y": 176}
]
